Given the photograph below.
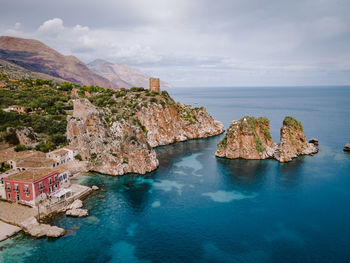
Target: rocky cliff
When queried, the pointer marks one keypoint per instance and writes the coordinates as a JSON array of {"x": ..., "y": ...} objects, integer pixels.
[
  {"x": 177, "y": 123},
  {"x": 117, "y": 130},
  {"x": 293, "y": 142},
  {"x": 114, "y": 149},
  {"x": 249, "y": 138}
]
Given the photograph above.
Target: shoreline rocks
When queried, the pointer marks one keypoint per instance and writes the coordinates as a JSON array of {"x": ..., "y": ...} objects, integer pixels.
[
  {"x": 75, "y": 209},
  {"x": 35, "y": 229},
  {"x": 249, "y": 138}
]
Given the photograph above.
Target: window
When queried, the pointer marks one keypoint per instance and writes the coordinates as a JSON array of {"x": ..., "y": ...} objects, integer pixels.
[
  {"x": 56, "y": 178},
  {"x": 65, "y": 176},
  {"x": 9, "y": 195},
  {"x": 41, "y": 186},
  {"x": 61, "y": 178},
  {"x": 16, "y": 187},
  {"x": 26, "y": 190},
  {"x": 8, "y": 186},
  {"x": 50, "y": 180}
]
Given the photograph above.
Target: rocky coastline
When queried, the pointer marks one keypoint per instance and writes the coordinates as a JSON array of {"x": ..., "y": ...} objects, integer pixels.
[
  {"x": 118, "y": 138},
  {"x": 250, "y": 138}
]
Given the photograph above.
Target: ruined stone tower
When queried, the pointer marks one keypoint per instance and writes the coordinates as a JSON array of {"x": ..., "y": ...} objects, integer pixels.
[{"x": 154, "y": 85}]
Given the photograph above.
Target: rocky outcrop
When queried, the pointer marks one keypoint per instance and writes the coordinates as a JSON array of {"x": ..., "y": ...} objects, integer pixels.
[
  {"x": 26, "y": 136},
  {"x": 249, "y": 138},
  {"x": 116, "y": 132},
  {"x": 77, "y": 212},
  {"x": 112, "y": 148},
  {"x": 293, "y": 143},
  {"x": 314, "y": 141},
  {"x": 347, "y": 147},
  {"x": 176, "y": 123},
  {"x": 35, "y": 229}
]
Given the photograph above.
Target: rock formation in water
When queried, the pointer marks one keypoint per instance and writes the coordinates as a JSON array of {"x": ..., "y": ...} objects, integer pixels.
[
  {"x": 116, "y": 133},
  {"x": 292, "y": 143},
  {"x": 249, "y": 138},
  {"x": 347, "y": 147}
]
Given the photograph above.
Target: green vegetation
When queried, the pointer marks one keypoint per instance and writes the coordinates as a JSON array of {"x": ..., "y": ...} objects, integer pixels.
[
  {"x": 20, "y": 147},
  {"x": 78, "y": 157},
  {"x": 223, "y": 143},
  {"x": 258, "y": 145},
  {"x": 290, "y": 121},
  {"x": 45, "y": 107}
]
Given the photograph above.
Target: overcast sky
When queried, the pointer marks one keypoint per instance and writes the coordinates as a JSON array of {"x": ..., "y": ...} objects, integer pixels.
[{"x": 197, "y": 42}]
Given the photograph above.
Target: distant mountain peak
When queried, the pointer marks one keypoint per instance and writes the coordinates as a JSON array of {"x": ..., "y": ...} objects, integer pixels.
[
  {"x": 35, "y": 56},
  {"x": 122, "y": 74}
]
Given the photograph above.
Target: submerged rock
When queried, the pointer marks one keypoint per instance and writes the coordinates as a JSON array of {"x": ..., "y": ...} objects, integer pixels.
[
  {"x": 95, "y": 187},
  {"x": 347, "y": 147},
  {"x": 249, "y": 138}
]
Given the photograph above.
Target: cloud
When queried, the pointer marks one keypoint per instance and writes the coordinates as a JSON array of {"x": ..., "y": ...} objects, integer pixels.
[{"x": 196, "y": 43}]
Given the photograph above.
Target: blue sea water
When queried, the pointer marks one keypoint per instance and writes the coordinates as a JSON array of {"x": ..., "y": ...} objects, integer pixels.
[{"x": 198, "y": 208}]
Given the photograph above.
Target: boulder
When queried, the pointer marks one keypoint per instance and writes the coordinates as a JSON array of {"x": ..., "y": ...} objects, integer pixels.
[
  {"x": 77, "y": 212},
  {"x": 94, "y": 187},
  {"x": 314, "y": 141},
  {"x": 35, "y": 229},
  {"x": 75, "y": 205},
  {"x": 347, "y": 147}
]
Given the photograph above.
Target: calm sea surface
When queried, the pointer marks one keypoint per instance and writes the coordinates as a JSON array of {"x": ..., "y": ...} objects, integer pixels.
[{"x": 197, "y": 208}]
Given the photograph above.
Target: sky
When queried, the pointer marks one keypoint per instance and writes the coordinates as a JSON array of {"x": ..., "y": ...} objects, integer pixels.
[{"x": 197, "y": 43}]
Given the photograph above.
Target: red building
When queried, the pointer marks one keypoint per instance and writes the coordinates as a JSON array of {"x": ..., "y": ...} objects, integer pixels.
[{"x": 32, "y": 186}]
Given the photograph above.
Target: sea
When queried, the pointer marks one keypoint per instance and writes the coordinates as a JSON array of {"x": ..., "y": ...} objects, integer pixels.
[{"x": 199, "y": 208}]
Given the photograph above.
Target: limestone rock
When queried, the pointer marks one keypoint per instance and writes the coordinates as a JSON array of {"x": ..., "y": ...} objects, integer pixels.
[
  {"x": 75, "y": 205},
  {"x": 314, "y": 141},
  {"x": 34, "y": 228},
  {"x": 248, "y": 138},
  {"x": 347, "y": 147},
  {"x": 95, "y": 187},
  {"x": 177, "y": 122},
  {"x": 114, "y": 149},
  {"x": 78, "y": 212},
  {"x": 120, "y": 140},
  {"x": 292, "y": 143}
]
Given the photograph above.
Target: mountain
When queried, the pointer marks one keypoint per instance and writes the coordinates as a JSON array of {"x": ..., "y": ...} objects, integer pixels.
[
  {"x": 35, "y": 56},
  {"x": 122, "y": 75}
]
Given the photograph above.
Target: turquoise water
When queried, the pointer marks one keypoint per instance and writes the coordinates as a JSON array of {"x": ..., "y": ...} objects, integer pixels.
[{"x": 197, "y": 208}]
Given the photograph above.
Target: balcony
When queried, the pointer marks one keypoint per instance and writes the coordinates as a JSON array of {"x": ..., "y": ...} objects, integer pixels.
[
  {"x": 8, "y": 189},
  {"x": 16, "y": 190},
  {"x": 26, "y": 191}
]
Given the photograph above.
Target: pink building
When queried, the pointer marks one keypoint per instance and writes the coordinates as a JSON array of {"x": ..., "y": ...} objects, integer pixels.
[{"x": 32, "y": 186}]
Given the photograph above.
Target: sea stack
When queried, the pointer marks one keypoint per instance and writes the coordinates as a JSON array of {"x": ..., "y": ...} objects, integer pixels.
[
  {"x": 293, "y": 142},
  {"x": 249, "y": 138}
]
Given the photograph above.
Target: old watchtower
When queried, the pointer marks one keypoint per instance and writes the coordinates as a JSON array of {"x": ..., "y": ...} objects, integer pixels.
[{"x": 154, "y": 85}]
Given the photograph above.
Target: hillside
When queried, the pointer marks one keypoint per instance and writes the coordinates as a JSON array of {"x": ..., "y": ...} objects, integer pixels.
[
  {"x": 122, "y": 75},
  {"x": 35, "y": 56}
]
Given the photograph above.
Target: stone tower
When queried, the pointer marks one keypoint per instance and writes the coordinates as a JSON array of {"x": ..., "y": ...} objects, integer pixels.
[{"x": 154, "y": 85}]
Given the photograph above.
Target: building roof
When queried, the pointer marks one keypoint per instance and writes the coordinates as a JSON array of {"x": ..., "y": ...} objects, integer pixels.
[
  {"x": 69, "y": 147},
  {"x": 60, "y": 152},
  {"x": 36, "y": 162},
  {"x": 32, "y": 175},
  {"x": 10, "y": 154}
]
